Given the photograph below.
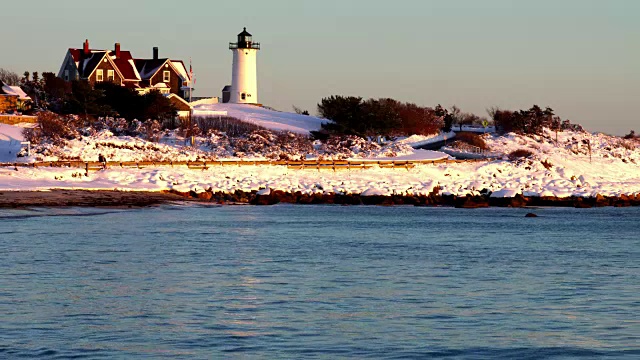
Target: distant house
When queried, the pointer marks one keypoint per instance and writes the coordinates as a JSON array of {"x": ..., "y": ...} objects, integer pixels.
[
  {"x": 166, "y": 75},
  {"x": 183, "y": 108},
  {"x": 12, "y": 98},
  {"x": 120, "y": 67}
]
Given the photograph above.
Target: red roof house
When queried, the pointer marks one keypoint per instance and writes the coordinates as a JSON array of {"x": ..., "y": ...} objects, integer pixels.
[{"x": 120, "y": 67}]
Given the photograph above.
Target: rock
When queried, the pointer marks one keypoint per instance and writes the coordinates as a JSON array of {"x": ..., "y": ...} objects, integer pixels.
[
  {"x": 531, "y": 215},
  {"x": 601, "y": 200},
  {"x": 205, "y": 196},
  {"x": 519, "y": 201},
  {"x": 471, "y": 202},
  {"x": 580, "y": 204}
]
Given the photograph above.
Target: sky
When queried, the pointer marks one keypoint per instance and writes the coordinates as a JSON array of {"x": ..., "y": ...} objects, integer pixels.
[{"x": 579, "y": 57}]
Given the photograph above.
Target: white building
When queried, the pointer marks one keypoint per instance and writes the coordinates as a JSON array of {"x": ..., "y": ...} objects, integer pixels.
[{"x": 244, "y": 75}]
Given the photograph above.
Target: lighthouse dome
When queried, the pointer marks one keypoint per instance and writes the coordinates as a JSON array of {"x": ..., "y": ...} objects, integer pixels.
[{"x": 244, "y": 37}]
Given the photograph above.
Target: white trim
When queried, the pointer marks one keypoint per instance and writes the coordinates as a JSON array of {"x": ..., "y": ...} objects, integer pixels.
[
  {"x": 95, "y": 68},
  {"x": 106, "y": 53},
  {"x": 163, "y": 66}
]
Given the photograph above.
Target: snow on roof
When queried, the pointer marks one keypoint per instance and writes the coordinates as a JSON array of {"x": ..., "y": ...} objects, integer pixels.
[
  {"x": 148, "y": 67},
  {"x": 181, "y": 69},
  {"x": 15, "y": 91},
  {"x": 134, "y": 69}
]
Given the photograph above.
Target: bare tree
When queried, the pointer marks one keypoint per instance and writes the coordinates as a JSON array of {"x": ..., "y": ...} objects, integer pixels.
[{"x": 9, "y": 77}]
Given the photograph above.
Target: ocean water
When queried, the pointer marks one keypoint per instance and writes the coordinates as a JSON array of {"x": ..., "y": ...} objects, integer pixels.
[{"x": 327, "y": 282}]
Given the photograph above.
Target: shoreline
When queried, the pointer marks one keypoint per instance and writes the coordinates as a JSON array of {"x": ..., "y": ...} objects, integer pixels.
[
  {"x": 85, "y": 198},
  {"x": 116, "y": 198}
]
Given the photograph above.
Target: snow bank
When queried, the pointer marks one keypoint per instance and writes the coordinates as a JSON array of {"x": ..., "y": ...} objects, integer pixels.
[
  {"x": 10, "y": 138},
  {"x": 270, "y": 119},
  {"x": 563, "y": 168}
]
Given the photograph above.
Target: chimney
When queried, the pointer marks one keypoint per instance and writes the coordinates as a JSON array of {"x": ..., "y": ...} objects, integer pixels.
[
  {"x": 117, "y": 50},
  {"x": 85, "y": 47},
  {"x": 155, "y": 53}
]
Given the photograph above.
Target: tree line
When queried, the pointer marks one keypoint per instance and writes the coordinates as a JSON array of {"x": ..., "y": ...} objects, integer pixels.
[
  {"x": 353, "y": 115},
  {"x": 79, "y": 97}
]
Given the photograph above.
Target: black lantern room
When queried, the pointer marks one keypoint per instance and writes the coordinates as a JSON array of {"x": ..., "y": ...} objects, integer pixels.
[{"x": 244, "y": 41}]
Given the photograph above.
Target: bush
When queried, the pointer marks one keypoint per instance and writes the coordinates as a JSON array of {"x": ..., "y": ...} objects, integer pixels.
[
  {"x": 520, "y": 154},
  {"x": 51, "y": 127},
  {"x": 528, "y": 122},
  {"x": 472, "y": 139},
  {"x": 630, "y": 135},
  {"x": 232, "y": 127},
  {"x": 354, "y": 116}
]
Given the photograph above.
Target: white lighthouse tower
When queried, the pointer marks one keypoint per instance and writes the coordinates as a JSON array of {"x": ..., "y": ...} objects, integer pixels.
[{"x": 244, "y": 75}]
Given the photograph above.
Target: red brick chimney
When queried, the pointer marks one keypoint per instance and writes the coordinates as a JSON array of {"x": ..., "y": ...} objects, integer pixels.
[
  {"x": 85, "y": 48},
  {"x": 117, "y": 51}
]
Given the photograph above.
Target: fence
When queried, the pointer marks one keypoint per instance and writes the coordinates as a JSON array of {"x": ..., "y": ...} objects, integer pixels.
[
  {"x": 318, "y": 165},
  {"x": 15, "y": 119}
]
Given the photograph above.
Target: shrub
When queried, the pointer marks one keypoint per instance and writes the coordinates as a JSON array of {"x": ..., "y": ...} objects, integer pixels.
[
  {"x": 232, "y": 127},
  {"x": 472, "y": 139},
  {"x": 630, "y": 135},
  {"x": 520, "y": 154},
  {"x": 51, "y": 127},
  {"x": 152, "y": 130},
  {"x": 547, "y": 165},
  {"x": 388, "y": 117},
  {"x": 627, "y": 145},
  {"x": 528, "y": 122}
]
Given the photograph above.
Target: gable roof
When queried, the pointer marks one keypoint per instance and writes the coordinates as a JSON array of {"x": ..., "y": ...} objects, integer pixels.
[
  {"x": 87, "y": 63},
  {"x": 13, "y": 91},
  {"x": 129, "y": 69},
  {"x": 148, "y": 68}
]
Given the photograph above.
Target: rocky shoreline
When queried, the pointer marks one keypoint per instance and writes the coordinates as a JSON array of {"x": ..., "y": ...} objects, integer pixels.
[
  {"x": 434, "y": 199},
  {"x": 114, "y": 198}
]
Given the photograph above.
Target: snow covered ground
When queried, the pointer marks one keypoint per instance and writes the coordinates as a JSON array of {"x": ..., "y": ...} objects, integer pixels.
[
  {"x": 10, "y": 139},
  {"x": 270, "y": 119},
  {"x": 562, "y": 168}
]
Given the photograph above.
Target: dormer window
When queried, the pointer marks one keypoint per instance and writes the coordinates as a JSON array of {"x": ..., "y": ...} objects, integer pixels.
[
  {"x": 66, "y": 75},
  {"x": 99, "y": 75},
  {"x": 166, "y": 76}
]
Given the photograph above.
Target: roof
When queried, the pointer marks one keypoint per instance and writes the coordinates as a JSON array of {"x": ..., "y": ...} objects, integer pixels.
[
  {"x": 131, "y": 69},
  {"x": 244, "y": 33},
  {"x": 181, "y": 69},
  {"x": 87, "y": 63},
  {"x": 149, "y": 67},
  {"x": 13, "y": 91},
  {"x": 174, "y": 97},
  {"x": 226, "y": 88}
]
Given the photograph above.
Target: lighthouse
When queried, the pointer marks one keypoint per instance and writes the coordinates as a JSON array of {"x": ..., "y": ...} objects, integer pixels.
[{"x": 244, "y": 74}]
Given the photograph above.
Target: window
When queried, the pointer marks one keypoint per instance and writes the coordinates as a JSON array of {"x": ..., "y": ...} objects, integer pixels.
[
  {"x": 110, "y": 75},
  {"x": 243, "y": 96},
  {"x": 166, "y": 76},
  {"x": 99, "y": 75},
  {"x": 164, "y": 91},
  {"x": 66, "y": 75}
]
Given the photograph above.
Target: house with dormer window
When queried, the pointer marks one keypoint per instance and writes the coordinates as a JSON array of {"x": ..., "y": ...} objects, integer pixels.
[{"x": 121, "y": 68}]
